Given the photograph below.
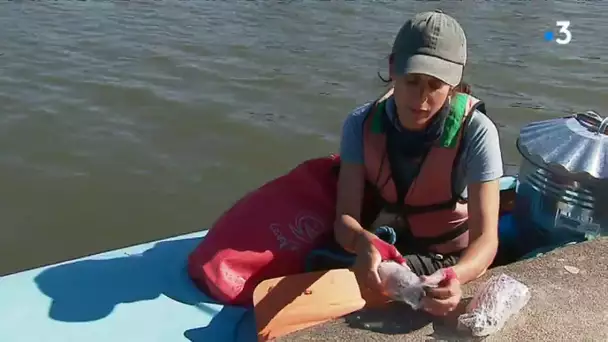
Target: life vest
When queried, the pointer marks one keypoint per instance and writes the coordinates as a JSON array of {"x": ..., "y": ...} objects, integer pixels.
[{"x": 430, "y": 215}]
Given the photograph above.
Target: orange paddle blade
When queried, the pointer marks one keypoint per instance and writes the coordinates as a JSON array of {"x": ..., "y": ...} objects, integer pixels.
[{"x": 287, "y": 304}]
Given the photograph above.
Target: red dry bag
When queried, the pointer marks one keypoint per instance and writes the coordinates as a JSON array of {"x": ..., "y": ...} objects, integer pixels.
[{"x": 268, "y": 233}]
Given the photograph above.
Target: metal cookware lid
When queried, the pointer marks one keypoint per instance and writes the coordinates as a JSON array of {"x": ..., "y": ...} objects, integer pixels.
[{"x": 577, "y": 144}]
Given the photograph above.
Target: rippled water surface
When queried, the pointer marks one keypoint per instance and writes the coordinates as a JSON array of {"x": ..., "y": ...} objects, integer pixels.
[{"x": 129, "y": 121}]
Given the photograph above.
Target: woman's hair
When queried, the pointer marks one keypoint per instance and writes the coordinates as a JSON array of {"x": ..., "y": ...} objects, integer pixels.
[{"x": 462, "y": 87}]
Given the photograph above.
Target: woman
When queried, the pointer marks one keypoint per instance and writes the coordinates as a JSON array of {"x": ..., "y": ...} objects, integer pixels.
[{"x": 418, "y": 147}]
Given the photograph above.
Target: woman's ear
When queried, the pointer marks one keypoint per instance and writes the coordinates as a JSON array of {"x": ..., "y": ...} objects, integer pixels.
[
  {"x": 452, "y": 91},
  {"x": 462, "y": 88}
]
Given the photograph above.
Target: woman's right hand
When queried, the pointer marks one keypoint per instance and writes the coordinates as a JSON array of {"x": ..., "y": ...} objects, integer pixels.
[{"x": 366, "y": 264}]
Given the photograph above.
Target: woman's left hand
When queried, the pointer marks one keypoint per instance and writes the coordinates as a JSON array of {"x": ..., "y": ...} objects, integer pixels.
[{"x": 444, "y": 298}]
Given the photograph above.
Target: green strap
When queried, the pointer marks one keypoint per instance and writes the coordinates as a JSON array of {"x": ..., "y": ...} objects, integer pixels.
[
  {"x": 453, "y": 122},
  {"x": 377, "y": 123}
]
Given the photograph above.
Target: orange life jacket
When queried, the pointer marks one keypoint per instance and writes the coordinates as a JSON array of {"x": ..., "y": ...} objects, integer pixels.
[{"x": 431, "y": 216}]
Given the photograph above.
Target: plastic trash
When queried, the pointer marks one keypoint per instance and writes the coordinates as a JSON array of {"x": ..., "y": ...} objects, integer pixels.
[
  {"x": 401, "y": 284},
  {"x": 500, "y": 298}
]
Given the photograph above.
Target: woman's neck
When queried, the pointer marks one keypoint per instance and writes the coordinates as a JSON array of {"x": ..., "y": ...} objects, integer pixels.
[
  {"x": 429, "y": 123},
  {"x": 413, "y": 127}
]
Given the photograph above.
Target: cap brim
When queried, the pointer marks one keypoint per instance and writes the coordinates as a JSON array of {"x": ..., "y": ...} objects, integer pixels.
[{"x": 448, "y": 72}]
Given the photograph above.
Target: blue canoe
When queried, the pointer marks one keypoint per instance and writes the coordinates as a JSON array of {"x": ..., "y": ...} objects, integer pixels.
[{"x": 139, "y": 293}]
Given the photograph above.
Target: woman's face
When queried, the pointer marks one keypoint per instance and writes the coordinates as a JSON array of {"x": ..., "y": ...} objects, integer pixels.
[{"x": 418, "y": 99}]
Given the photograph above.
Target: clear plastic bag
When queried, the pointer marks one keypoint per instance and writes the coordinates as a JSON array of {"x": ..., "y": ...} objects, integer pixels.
[
  {"x": 401, "y": 284},
  {"x": 500, "y": 298}
]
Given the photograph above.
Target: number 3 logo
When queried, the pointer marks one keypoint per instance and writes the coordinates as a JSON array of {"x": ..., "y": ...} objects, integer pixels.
[{"x": 563, "y": 28}]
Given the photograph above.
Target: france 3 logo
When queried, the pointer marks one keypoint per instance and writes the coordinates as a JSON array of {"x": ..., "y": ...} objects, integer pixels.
[{"x": 563, "y": 35}]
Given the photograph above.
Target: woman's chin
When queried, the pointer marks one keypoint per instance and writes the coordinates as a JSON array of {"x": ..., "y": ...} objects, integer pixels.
[{"x": 416, "y": 124}]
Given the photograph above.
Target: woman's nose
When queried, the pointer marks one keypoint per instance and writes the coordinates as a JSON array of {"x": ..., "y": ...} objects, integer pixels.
[{"x": 423, "y": 92}]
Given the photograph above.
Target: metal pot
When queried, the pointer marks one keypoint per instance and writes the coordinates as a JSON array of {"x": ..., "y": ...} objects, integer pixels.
[{"x": 563, "y": 180}]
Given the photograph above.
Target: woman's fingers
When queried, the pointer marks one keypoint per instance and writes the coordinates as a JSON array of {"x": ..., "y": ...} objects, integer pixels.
[
  {"x": 374, "y": 277},
  {"x": 433, "y": 279},
  {"x": 373, "y": 281},
  {"x": 440, "y": 307},
  {"x": 434, "y": 306},
  {"x": 441, "y": 292},
  {"x": 366, "y": 269}
]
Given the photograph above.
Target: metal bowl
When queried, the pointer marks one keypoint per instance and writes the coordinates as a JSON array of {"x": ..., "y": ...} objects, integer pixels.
[{"x": 576, "y": 146}]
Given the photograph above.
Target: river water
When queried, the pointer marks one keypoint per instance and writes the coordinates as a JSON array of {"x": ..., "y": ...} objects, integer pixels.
[{"x": 129, "y": 121}]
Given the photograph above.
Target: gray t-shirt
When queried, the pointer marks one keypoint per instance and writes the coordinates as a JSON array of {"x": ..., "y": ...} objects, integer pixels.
[{"x": 480, "y": 161}]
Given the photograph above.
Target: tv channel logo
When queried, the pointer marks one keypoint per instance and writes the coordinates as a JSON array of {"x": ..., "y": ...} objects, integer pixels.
[{"x": 563, "y": 36}]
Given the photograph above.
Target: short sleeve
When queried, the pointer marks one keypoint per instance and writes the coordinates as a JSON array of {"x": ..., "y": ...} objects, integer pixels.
[
  {"x": 351, "y": 143},
  {"x": 483, "y": 154}
]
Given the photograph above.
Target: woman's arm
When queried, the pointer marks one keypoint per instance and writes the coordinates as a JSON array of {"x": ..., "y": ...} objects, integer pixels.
[
  {"x": 351, "y": 182},
  {"x": 483, "y": 205},
  {"x": 347, "y": 228},
  {"x": 484, "y": 167}
]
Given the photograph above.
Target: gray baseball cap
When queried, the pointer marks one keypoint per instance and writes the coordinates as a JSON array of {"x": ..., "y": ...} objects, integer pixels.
[{"x": 432, "y": 43}]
